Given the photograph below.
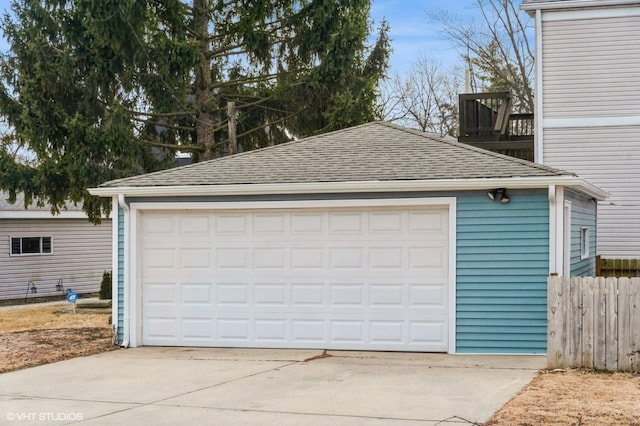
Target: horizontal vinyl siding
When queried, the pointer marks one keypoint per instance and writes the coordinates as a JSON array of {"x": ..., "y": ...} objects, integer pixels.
[
  {"x": 608, "y": 157},
  {"x": 81, "y": 253},
  {"x": 590, "y": 67},
  {"x": 502, "y": 268},
  {"x": 583, "y": 214}
]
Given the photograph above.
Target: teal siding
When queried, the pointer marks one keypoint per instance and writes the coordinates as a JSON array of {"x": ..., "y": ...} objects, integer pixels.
[
  {"x": 120, "y": 274},
  {"x": 502, "y": 269},
  {"x": 583, "y": 214}
]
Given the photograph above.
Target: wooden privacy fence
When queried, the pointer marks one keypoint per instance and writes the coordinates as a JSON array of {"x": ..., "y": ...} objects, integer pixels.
[
  {"x": 594, "y": 323},
  {"x": 617, "y": 267}
]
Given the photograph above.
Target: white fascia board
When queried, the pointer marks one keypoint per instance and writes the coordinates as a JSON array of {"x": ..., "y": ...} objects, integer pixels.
[
  {"x": 440, "y": 185},
  {"x": 41, "y": 214},
  {"x": 573, "y": 4}
]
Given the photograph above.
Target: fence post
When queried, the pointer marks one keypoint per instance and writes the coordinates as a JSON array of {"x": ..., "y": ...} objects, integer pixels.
[
  {"x": 555, "y": 320},
  {"x": 587, "y": 322},
  {"x": 624, "y": 324},
  {"x": 612, "y": 325},
  {"x": 634, "y": 314},
  {"x": 574, "y": 322},
  {"x": 599, "y": 324}
]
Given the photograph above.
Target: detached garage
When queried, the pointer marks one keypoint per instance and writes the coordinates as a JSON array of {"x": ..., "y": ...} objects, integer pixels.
[{"x": 369, "y": 238}]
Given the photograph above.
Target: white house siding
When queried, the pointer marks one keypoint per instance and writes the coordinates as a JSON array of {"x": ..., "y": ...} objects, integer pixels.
[
  {"x": 608, "y": 157},
  {"x": 81, "y": 253},
  {"x": 591, "y": 113},
  {"x": 590, "y": 67}
]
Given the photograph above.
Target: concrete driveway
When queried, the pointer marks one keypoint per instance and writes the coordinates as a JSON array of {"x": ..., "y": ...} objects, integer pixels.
[{"x": 173, "y": 386}]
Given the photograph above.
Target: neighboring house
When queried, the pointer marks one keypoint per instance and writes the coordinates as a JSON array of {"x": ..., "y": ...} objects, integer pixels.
[
  {"x": 588, "y": 106},
  {"x": 374, "y": 237},
  {"x": 46, "y": 255}
]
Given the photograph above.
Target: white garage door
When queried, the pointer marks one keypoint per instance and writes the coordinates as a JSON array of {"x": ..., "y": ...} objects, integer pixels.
[{"x": 363, "y": 279}]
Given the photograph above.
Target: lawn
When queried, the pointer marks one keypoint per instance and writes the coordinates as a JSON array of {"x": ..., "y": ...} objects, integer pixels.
[{"x": 37, "y": 335}]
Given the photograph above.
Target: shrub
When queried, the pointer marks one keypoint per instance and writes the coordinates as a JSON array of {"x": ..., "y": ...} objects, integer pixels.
[{"x": 105, "y": 286}]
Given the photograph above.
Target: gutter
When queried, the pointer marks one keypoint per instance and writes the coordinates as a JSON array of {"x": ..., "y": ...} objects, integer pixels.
[{"x": 434, "y": 185}]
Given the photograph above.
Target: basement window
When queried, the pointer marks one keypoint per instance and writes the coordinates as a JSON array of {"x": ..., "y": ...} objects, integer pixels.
[
  {"x": 584, "y": 243},
  {"x": 21, "y": 246}
]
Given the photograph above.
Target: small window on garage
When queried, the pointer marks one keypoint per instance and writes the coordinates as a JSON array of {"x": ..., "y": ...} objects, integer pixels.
[
  {"x": 31, "y": 245},
  {"x": 584, "y": 243}
]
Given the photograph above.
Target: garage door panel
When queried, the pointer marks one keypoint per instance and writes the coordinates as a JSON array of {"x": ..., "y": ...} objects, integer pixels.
[
  {"x": 305, "y": 296},
  {"x": 308, "y": 331},
  {"x": 233, "y": 330},
  {"x": 232, "y": 258},
  {"x": 271, "y": 331},
  {"x": 196, "y": 330},
  {"x": 269, "y": 224},
  {"x": 347, "y": 279},
  {"x": 195, "y": 257},
  {"x": 387, "y": 332},
  {"x": 308, "y": 224},
  {"x": 434, "y": 295},
  {"x": 346, "y": 223},
  {"x": 195, "y": 226},
  {"x": 428, "y": 333},
  {"x": 159, "y": 258},
  {"x": 228, "y": 224},
  {"x": 233, "y": 294}
]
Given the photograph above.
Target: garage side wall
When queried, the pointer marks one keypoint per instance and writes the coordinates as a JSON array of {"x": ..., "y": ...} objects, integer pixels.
[
  {"x": 583, "y": 220},
  {"x": 502, "y": 268}
]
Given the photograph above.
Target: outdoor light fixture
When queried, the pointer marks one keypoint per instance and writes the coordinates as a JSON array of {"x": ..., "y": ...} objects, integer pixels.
[{"x": 500, "y": 195}]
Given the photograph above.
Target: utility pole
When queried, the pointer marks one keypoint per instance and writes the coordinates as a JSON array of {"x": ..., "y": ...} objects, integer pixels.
[{"x": 233, "y": 140}]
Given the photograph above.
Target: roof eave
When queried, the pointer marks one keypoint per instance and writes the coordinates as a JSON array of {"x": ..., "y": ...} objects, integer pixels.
[
  {"x": 531, "y": 7},
  {"x": 435, "y": 185}
]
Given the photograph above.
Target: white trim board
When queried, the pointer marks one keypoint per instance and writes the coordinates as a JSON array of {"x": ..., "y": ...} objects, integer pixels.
[
  {"x": 583, "y": 14},
  {"x": 576, "y": 5},
  {"x": 559, "y": 123}
]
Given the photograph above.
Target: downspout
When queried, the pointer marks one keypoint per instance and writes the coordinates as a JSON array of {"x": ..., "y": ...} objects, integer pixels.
[
  {"x": 552, "y": 230},
  {"x": 115, "y": 216},
  {"x": 127, "y": 291}
]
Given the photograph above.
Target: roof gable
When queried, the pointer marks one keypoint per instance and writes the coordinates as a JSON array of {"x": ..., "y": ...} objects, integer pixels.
[{"x": 377, "y": 151}]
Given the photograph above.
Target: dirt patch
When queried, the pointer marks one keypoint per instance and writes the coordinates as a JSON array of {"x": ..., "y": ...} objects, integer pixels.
[
  {"x": 574, "y": 397},
  {"x": 31, "y": 336}
]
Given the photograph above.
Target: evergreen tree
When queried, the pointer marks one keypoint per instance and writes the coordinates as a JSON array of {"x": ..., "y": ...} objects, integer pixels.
[{"x": 96, "y": 90}]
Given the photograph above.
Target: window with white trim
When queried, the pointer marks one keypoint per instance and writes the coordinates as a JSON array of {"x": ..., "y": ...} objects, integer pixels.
[
  {"x": 584, "y": 243},
  {"x": 31, "y": 245}
]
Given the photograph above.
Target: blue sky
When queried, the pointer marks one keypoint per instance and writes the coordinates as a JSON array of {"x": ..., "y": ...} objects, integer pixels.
[{"x": 412, "y": 32}]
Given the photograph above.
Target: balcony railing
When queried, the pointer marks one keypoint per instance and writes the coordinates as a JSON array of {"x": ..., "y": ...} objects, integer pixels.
[{"x": 486, "y": 121}]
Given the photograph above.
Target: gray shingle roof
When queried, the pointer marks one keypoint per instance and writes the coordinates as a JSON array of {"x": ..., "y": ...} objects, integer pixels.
[
  {"x": 19, "y": 204},
  {"x": 375, "y": 151}
]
